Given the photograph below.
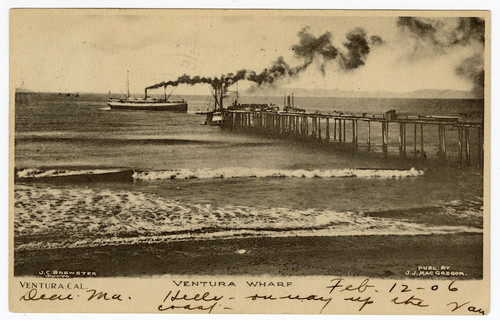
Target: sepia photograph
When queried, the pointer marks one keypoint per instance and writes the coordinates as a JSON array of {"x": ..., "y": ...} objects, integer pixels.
[{"x": 199, "y": 145}]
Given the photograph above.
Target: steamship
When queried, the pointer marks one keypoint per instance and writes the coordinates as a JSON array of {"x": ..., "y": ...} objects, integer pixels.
[{"x": 147, "y": 103}]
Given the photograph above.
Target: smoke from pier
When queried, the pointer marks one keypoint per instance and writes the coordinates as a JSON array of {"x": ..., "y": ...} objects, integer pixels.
[
  {"x": 309, "y": 49},
  {"x": 357, "y": 49},
  {"x": 441, "y": 36}
]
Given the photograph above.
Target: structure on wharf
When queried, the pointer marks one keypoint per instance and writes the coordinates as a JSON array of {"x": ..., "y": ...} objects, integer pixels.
[{"x": 467, "y": 141}]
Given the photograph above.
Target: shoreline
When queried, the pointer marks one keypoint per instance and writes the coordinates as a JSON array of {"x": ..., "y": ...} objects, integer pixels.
[{"x": 376, "y": 256}]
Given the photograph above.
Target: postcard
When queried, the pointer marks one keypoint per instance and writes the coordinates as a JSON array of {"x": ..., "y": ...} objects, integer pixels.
[{"x": 249, "y": 161}]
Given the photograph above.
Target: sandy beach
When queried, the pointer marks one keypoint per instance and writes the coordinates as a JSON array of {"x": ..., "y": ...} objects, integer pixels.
[{"x": 372, "y": 256}]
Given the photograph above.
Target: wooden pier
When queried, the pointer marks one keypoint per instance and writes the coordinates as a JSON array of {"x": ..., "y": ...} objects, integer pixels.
[{"x": 442, "y": 137}]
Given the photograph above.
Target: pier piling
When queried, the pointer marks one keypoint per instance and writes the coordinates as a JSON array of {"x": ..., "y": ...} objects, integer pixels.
[
  {"x": 369, "y": 136},
  {"x": 422, "y": 152},
  {"x": 415, "y": 140},
  {"x": 444, "y": 141},
  {"x": 334, "y": 129},
  {"x": 480, "y": 147},
  {"x": 306, "y": 124},
  {"x": 297, "y": 118},
  {"x": 327, "y": 138},
  {"x": 460, "y": 144},
  {"x": 402, "y": 139},
  {"x": 467, "y": 146},
  {"x": 340, "y": 130},
  {"x": 319, "y": 127},
  {"x": 385, "y": 132},
  {"x": 353, "y": 134},
  {"x": 343, "y": 133}
]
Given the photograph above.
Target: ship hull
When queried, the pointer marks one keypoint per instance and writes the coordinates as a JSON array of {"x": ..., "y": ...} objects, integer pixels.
[{"x": 153, "y": 106}]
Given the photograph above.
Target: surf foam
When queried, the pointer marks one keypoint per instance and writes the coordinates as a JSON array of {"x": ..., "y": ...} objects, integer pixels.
[
  {"x": 228, "y": 173},
  {"x": 41, "y": 173},
  {"x": 49, "y": 217}
]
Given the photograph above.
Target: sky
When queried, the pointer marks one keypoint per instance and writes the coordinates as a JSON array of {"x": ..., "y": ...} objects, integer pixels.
[{"x": 91, "y": 51}]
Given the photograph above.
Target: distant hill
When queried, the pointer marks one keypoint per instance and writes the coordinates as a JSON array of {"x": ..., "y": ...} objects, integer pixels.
[
  {"x": 418, "y": 94},
  {"x": 22, "y": 90},
  {"x": 440, "y": 94}
]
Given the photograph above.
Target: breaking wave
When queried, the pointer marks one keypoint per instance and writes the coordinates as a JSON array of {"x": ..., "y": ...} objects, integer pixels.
[
  {"x": 40, "y": 173},
  {"x": 228, "y": 173},
  {"x": 62, "y": 175},
  {"x": 220, "y": 173}
]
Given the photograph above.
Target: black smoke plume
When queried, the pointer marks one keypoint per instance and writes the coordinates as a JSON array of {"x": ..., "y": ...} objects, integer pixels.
[
  {"x": 357, "y": 49},
  {"x": 376, "y": 40},
  {"x": 472, "y": 68},
  {"x": 468, "y": 30},
  {"x": 439, "y": 35},
  {"x": 420, "y": 28},
  {"x": 437, "y": 32},
  {"x": 268, "y": 76},
  {"x": 308, "y": 50},
  {"x": 184, "y": 79}
]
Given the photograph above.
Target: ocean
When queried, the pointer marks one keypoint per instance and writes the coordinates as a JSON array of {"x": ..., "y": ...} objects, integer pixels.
[{"x": 171, "y": 178}]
